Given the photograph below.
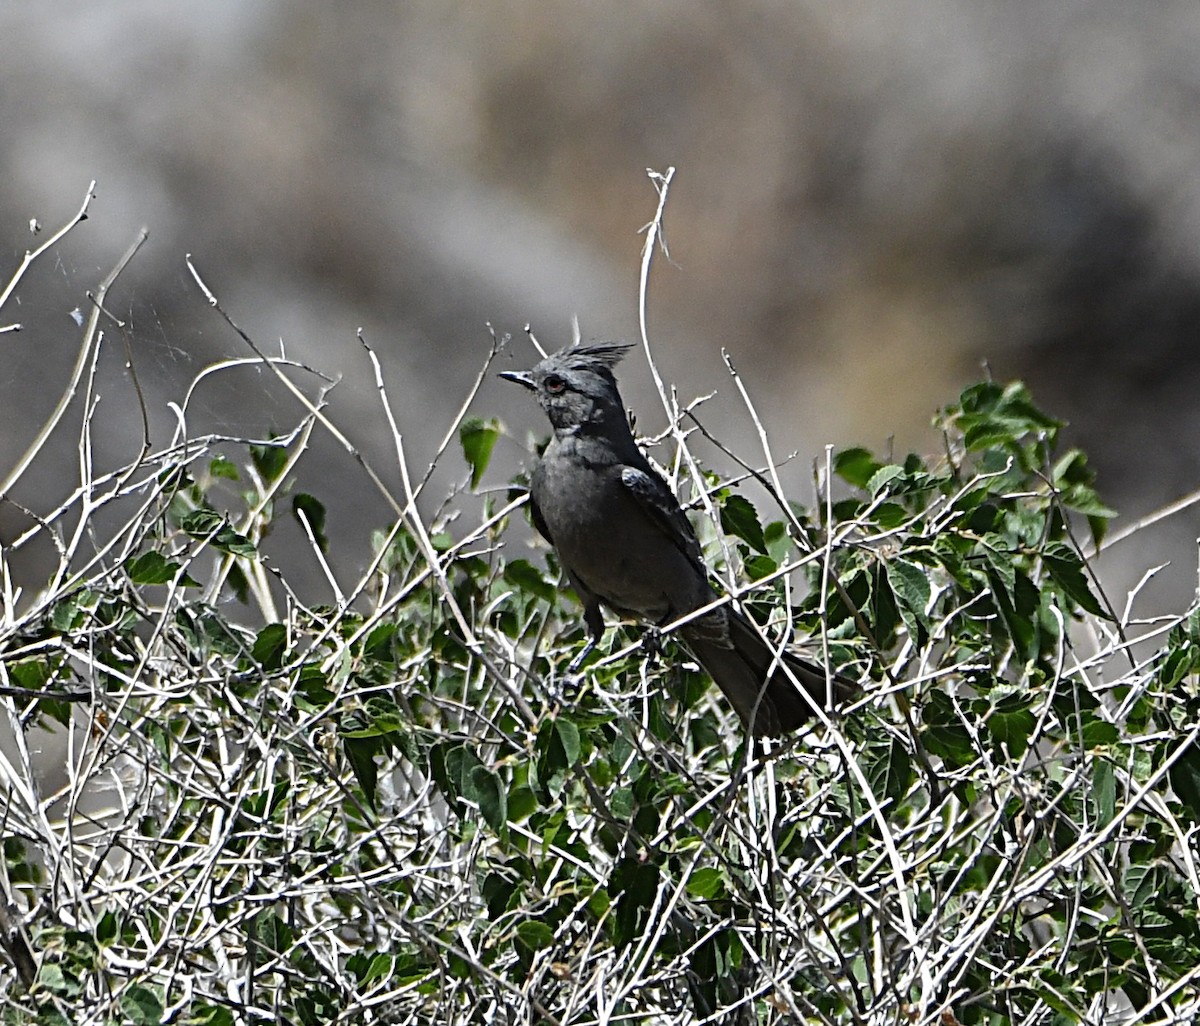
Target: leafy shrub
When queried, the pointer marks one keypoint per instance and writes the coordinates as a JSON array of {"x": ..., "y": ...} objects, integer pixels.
[{"x": 398, "y": 808}]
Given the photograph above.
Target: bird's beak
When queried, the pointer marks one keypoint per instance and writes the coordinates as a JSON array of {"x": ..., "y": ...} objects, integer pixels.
[{"x": 520, "y": 377}]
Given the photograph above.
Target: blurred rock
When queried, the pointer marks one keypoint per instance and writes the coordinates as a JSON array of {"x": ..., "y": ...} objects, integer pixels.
[{"x": 871, "y": 199}]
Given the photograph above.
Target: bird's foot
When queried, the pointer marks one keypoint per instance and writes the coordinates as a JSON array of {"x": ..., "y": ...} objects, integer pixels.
[
  {"x": 653, "y": 644},
  {"x": 572, "y": 680}
]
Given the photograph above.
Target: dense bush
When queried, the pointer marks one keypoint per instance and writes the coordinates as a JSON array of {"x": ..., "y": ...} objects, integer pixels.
[{"x": 397, "y": 808}]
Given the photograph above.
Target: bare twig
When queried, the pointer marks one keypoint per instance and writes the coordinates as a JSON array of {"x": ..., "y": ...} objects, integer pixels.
[{"x": 90, "y": 337}]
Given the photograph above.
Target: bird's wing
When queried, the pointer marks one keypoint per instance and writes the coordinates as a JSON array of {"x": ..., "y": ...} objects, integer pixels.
[{"x": 663, "y": 509}]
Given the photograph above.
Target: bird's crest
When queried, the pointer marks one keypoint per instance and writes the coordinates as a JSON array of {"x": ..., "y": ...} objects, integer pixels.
[{"x": 595, "y": 356}]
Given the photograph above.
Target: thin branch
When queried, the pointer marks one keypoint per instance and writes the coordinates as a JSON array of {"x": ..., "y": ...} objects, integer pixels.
[{"x": 81, "y": 362}]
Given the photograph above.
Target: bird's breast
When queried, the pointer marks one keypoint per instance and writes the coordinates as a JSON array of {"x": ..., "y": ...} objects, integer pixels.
[{"x": 604, "y": 536}]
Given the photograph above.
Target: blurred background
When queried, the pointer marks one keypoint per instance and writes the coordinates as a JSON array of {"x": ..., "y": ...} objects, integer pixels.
[{"x": 872, "y": 199}]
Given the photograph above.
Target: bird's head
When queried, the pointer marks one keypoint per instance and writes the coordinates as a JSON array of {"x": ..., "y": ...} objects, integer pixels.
[{"x": 576, "y": 386}]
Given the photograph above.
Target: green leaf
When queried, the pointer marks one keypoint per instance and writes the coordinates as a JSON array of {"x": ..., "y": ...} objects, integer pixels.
[
  {"x": 497, "y": 890},
  {"x": 1017, "y": 601},
  {"x": 478, "y": 438},
  {"x": 889, "y": 770},
  {"x": 599, "y": 903},
  {"x": 239, "y": 583},
  {"x": 758, "y": 567},
  {"x": 740, "y": 518},
  {"x": 568, "y": 738},
  {"x": 1011, "y": 721},
  {"x": 855, "y": 466},
  {"x": 1184, "y": 775},
  {"x": 945, "y": 734},
  {"x": 989, "y": 415},
  {"x": 890, "y": 515},
  {"x": 367, "y": 969},
  {"x": 707, "y": 882},
  {"x": 1066, "y": 570},
  {"x": 209, "y": 1015},
  {"x": 51, "y": 976},
  {"x": 880, "y": 479},
  {"x": 1002, "y": 571},
  {"x": 636, "y": 884},
  {"x": 314, "y": 514},
  {"x": 522, "y": 803},
  {"x": 486, "y": 790},
  {"x": 1103, "y": 795},
  {"x": 779, "y": 543},
  {"x": 378, "y": 644},
  {"x": 228, "y": 540},
  {"x": 223, "y": 467},
  {"x": 33, "y": 674},
  {"x": 206, "y": 524},
  {"x": 142, "y": 1006},
  {"x": 106, "y": 929},
  {"x": 461, "y": 763},
  {"x": 910, "y": 585},
  {"x": 527, "y": 578},
  {"x": 269, "y": 646},
  {"x": 269, "y": 460},
  {"x": 623, "y": 803},
  {"x": 1183, "y": 651},
  {"x": 312, "y": 688},
  {"x": 272, "y": 932},
  {"x": 1098, "y": 733},
  {"x": 1178, "y": 664},
  {"x": 69, "y": 613},
  {"x": 534, "y": 935},
  {"x": 360, "y": 753},
  {"x": 371, "y": 728},
  {"x": 151, "y": 568},
  {"x": 1074, "y": 480}
]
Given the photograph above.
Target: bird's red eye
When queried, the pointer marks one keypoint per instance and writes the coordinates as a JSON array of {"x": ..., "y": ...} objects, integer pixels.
[{"x": 554, "y": 384}]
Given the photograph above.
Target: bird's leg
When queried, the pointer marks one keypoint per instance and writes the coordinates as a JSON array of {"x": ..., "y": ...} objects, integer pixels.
[
  {"x": 595, "y": 625},
  {"x": 575, "y": 663},
  {"x": 572, "y": 680}
]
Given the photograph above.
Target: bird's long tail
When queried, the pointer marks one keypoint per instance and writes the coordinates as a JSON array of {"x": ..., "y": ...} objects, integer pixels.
[{"x": 741, "y": 661}]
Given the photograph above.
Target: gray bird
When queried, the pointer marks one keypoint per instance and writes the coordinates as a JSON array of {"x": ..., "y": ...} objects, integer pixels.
[{"x": 624, "y": 541}]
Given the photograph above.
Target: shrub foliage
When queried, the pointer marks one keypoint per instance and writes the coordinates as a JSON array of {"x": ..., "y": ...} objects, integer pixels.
[{"x": 398, "y": 807}]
